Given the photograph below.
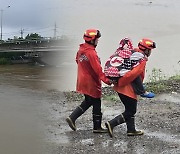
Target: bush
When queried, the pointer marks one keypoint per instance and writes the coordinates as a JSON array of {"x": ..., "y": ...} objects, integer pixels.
[
  {"x": 4, "y": 61},
  {"x": 160, "y": 83}
]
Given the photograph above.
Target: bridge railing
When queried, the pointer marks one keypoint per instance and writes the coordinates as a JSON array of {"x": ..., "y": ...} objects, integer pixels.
[{"x": 31, "y": 44}]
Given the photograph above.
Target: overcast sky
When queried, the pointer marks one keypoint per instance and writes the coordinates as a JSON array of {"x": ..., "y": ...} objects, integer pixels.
[
  {"x": 30, "y": 15},
  {"x": 74, "y": 16}
]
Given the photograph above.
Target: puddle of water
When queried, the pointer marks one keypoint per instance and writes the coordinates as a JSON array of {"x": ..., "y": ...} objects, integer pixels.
[
  {"x": 173, "y": 97},
  {"x": 63, "y": 139},
  {"x": 57, "y": 139},
  {"x": 89, "y": 141},
  {"x": 111, "y": 112},
  {"x": 105, "y": 144},
  {"x": 165, "y": 137},
  {"x": 121, "y": 144},
  {"x": 56, "y": 135}
]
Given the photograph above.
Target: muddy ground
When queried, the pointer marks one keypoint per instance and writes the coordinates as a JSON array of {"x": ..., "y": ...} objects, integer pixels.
[{"x": 158, "y": 117}]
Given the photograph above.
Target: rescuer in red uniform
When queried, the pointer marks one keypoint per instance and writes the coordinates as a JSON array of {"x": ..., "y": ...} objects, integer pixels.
[
  {"x": 89, "y": 78},
  {"x": 126, "y": 93}
]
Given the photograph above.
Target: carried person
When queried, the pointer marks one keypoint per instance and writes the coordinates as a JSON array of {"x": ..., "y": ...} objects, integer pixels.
[
  {"x": 127, "y": 94},
  {"x": 122, "y": 61}
]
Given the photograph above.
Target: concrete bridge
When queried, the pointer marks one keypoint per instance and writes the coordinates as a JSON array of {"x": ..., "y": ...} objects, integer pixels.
[
  {"x": 36, "y": 45},
  {"x": 33, "y": 50}
]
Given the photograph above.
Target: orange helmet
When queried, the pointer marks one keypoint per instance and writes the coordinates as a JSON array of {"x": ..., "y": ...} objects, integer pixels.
[
  {"x": 91, "y": 34},
  {"x": 146, "y": 44}
]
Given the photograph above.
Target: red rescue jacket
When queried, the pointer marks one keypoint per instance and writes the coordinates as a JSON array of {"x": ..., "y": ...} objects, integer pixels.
[
  {"x": 124, "y": 83},
  {"x": 90, "y": 73}
]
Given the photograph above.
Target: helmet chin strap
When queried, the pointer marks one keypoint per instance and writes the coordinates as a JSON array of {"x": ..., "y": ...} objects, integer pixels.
[
  {"x": 147, "y": 52},
  {"x": 92, "y": 42}
]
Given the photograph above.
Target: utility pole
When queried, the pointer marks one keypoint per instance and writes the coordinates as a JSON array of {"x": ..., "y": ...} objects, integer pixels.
[
  {"x": 55, "y": 30},
  {"x": 1, "y": 22},
  {"x": 22, "y": 32}
]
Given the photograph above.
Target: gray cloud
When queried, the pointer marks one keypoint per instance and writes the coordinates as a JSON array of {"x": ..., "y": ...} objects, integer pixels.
[
  {"x": 35, "y": 15},
  {"x": 116, "y": 17}
]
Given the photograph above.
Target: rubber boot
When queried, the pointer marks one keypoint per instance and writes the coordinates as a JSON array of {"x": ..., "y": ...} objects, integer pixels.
[
  {"x": 131, "y": 131},
  {"x": 72, "y": 118},
  {"x": 114, "y": 122},
  {"x": 97, "y": 119}
]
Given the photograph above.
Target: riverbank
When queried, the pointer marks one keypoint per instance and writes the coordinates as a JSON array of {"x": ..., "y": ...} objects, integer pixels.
[
  {"x": 33, "y": 117},
  {"x": 171, "y": 85},
  {"x": 158, "y": 117}
]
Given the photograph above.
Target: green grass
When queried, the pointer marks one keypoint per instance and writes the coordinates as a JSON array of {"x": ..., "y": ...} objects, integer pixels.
[
  {"x": 158, "y": 82},
  {"x": 111, "y": 97},
  {"x": 176, "y": 77},
  {"x": 4, "y": 61}
]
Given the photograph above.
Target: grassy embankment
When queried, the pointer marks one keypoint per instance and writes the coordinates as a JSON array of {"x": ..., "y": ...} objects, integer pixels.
[
  {"x": 5, "y": 57},
  {"x": 158, "y": 83}
]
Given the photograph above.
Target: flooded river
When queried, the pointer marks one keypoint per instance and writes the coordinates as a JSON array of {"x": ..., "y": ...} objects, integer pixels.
[
  {"x": 20, "y": 128},
  {"x": 157, "y": 20},
  {"x": 24, "y": 106}
]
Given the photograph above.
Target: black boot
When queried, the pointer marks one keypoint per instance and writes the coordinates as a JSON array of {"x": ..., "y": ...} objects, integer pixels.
[
  {"x": 131, "y": 131},
  {"x": 114, "y": 122},
  {"x": 74, "y": 115},
  {"x": 97, "y": 119}
]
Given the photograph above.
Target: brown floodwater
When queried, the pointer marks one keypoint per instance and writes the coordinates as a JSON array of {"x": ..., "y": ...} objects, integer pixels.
[{"x": 21, "y": 94}]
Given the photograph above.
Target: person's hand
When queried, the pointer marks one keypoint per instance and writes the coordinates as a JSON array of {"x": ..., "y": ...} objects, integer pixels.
[{"x": 113, "y": 81}]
